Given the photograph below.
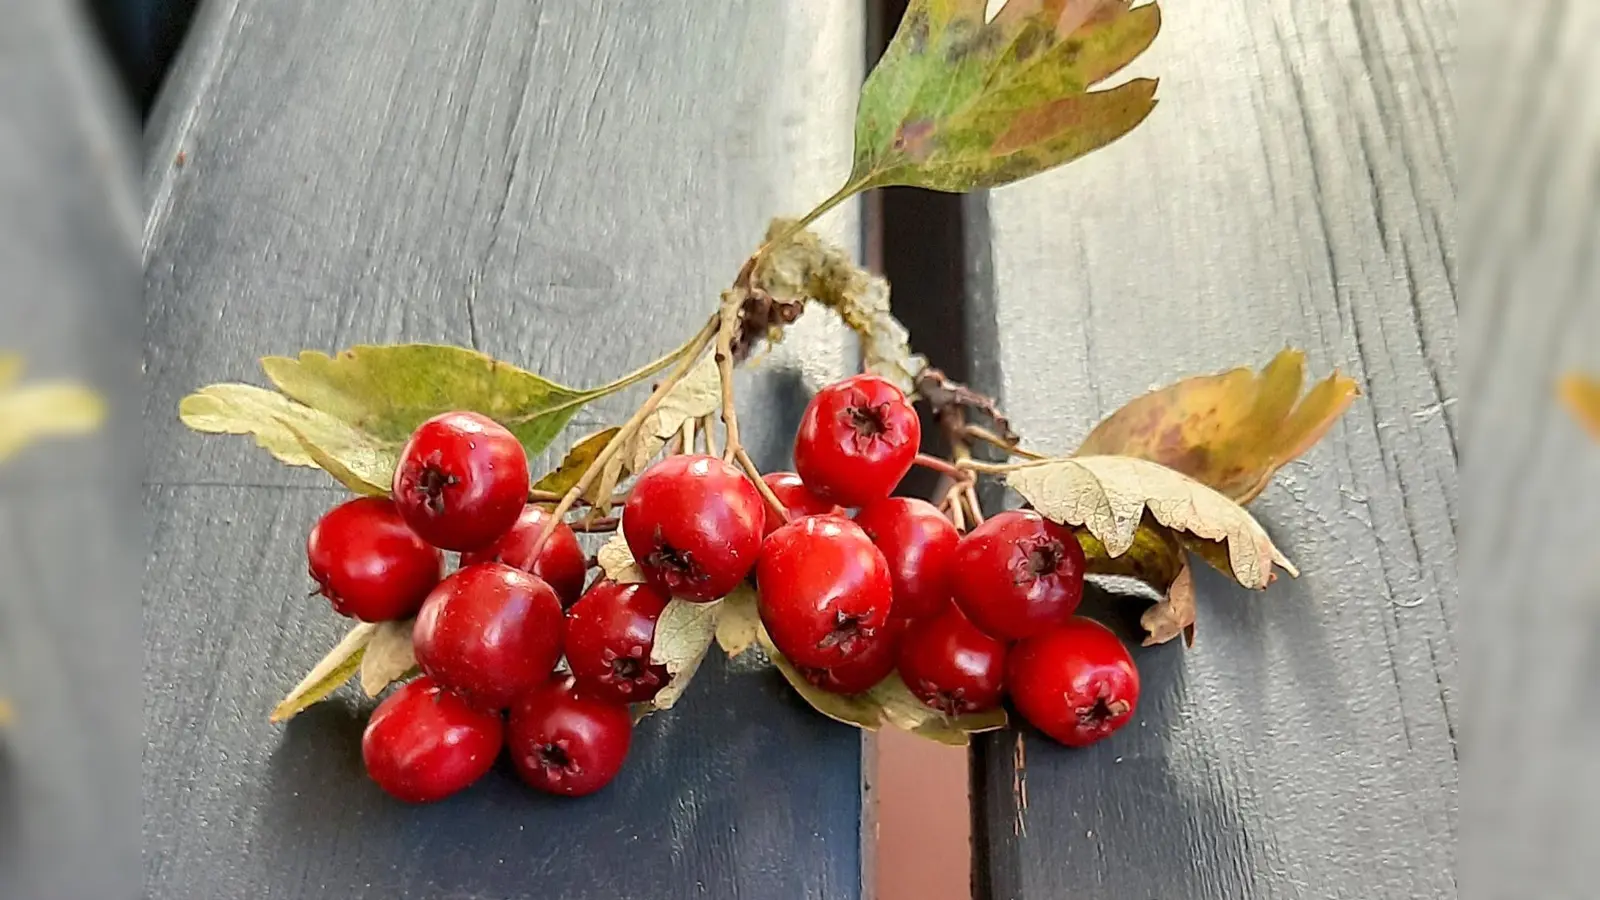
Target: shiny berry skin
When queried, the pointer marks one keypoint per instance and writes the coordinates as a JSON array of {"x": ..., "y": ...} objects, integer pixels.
[
  {"x": 856, "y": 440},
  {"x": 610, "y": 633},
  {"x": 874, "y": 660},
  {"x": 490, "y": 632},
  {"x": 693, "y": 524},
  {"x": 1018, "y": 574},
  {"x": 369, "y": 564},
  {"x": 919, "y": 543},
  {"x": 424, "y": 743},
  {"x": 1076, "y": 682},
  {"x": 462, "y": 480},
  {"x": 563, "y": 741},
  {"x": 798, "y": 499},
  {"x": 825, "y": 590},
  {"x": 561, "y": 563},
  {"x": 952, "y": 666}
]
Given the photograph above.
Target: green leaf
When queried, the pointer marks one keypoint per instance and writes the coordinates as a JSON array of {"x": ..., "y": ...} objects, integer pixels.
[
  {"x": 325, "y": 677},
  {"x": 350, "y": 414},
  {"x": 577, "y": 461},
  {"x": 957, "y": 103}
]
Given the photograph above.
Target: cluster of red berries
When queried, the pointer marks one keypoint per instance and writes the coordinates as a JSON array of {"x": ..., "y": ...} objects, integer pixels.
[{"x": 965, "y": 620}]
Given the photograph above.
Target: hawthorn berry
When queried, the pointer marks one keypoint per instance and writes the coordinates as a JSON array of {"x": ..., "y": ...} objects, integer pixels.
[
  {"x": 368, "y": 563},
  {"x": 825, "y": 590},
  {"x": 798, "y": 499},
  {"x": 1018, "y": 574},
  {"x": 919, "y": 544},
  {"x": 857, "y": 439},
  {"x": 693, "y": 524},
  {"x": 874, "y": 659},
  {"x": 610, "y": 633},
  {"x": 952, "y": 666},
  {"x": 1075, "y": 682},
  {"x": 462, "y": 480},
  {"x": 490, "y": 632},
  {"x": 563, "y": 741},
  {"x": 561, "y": 563},
  {"x": 424, "y": 743}
]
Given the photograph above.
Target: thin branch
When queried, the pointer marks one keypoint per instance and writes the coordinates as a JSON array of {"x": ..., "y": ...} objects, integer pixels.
[
  {"x": 979, "y": 433},
  {"x": 697, "y": 345},
  {"x": 765, "y": 489},
  {"x": 987, "y": 468},
  {"x": 728, "y": 317}
]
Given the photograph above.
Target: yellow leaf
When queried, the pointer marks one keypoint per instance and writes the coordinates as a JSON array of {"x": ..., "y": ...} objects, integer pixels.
[
  {"x": 325, "y": 677},
  {"x": 44, "y": 409},
  {"x": 698, "y": 394},
  {"x": 1231, "y": 430},
  {"x": 388, "y": 657},
  {"x": 1582, "y": 396},
  {"x": 616, "y": 560},
  {"x": 575, "y": 463},
  {"x": 684, "y": 633},
  {"x": 740, "y": 622},
  {"x": 1109, "y": 495}
]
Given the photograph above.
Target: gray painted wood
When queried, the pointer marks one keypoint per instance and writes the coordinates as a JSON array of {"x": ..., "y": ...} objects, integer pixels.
[
  {"x": 1295, "y": 187},
  {"x": 68, "y": 508},
  {"x": 1531, "y": 313},
  {"x": 564, "y": 185}
]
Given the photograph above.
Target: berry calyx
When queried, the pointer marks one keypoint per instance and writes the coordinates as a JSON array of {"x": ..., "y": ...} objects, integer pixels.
[
  {"x": 565, "y": 742},
  {"x": 693, "y": 524},
  {"x": 798, "y": 499},
  {"x": 369, "y": 564},
  {"x": 874, "y": 659},
  {"x": 611, "y": 631},
  {"x": 952, "y": 666},
  {"x": 825, "y": 590},
  {"x": 919, "y": 543},
  {"x": 561, "y": 563},
  {"x": 1076, "y": 682},
  {"x": 1018, "y": 574},
  {"x": 490, "y": 632},
  {"x": 462, "y": 480},
  {"x": 857, "y": 439},
  {"x": 424, "y": 743}
]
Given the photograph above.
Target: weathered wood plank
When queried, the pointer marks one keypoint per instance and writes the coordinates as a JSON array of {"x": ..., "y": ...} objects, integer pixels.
[
  {"x": 68, "y": 508},
  {"x": 1296, "y": 186},
  {"x": 564, "y": 185},
  {"x": 1530, "y": 314}
]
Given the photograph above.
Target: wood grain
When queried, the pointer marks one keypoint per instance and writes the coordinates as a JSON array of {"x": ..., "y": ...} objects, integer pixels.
[
  {"x": 68, "y": 507},
  {"x": 564, "y": 185},
  {"x": 1295, "y": 186},
  {"x": 1531, "y": 313}
]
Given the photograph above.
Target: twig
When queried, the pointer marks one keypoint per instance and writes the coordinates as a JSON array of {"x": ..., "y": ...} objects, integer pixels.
[
  {"x": 697, "y": 345},
  {"x": 729, "y": 323},
  {"x": 979, "y": 433},
  {"x": 988, "y": 468},
  {"x": 942, "y": 466},
  {"x": 543, "y": 497}
]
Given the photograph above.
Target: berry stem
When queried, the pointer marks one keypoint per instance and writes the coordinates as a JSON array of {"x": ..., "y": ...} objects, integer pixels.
[
  {"x": 729, "y": 323},
  {"x": 942, "y": 466},
  {"x": 979, "y": 433},
  {"x": 749, "y": 466},
  {"x": 696, "y": 346},
  {"x": 988, "y": 468},
  {"x": 596, "y": 525},
  {"x": 708, "y": 426}
]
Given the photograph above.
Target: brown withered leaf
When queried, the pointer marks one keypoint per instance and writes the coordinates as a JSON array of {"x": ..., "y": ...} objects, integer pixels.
[
  {"x": 616, "y": 560},
  {"x": 1581, "y": 394},
  {"x": 326, "y": 676},
  {"x": 1173, "y": 615},
  {"x": 684, "y": 633},
  {"x": 1231, "y": 430},
  {"x": 698, "y": 394},
  {"x": 1109, "y": 495},
  {"x": 388, "y": 658},
  {"x": 1157, "y": 558}
]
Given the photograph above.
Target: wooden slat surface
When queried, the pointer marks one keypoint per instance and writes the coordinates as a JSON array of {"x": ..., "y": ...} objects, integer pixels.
[
  {"x": 69, "y": 514},
  {"x": 565, "y": 185},
  {"x": 1531, "y": 313},
  {"x": 1295, "y": 187}
]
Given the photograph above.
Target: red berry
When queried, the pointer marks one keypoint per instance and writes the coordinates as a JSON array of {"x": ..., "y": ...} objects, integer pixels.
[
  {"x": 1018, "y": 574},
  {"x": 562, "y": 563},
  {"x": 951, "y": 665},
  {"x": 369, "y": 564},
  {"x": 825, "y": 590},
  {"x": 798, "y": 499},
  {"x": 919, "y": 543},
  {"x": 693, "y": 523},
  {"x": 565, "y": 742},
  {"x": 424, "y": 743},
  {"x": 856, "y": 441},
  {"x": 1075, "y": 682},
  {"x": 462, "y": 480},
  {"x": 490, "y": 632},
  {"x": 610, "y": 633},
  {"x": 872, "y": 663}
]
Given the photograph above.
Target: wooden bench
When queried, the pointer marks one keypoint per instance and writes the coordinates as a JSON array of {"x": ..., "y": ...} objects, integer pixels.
[{"x": 567, "y": 186}]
